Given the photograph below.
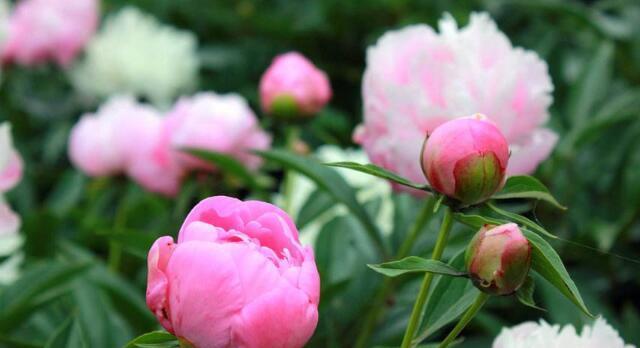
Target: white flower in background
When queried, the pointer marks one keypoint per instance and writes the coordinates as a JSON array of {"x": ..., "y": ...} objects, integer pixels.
[
  {"x": 135, "y": 54},
  {"x": 10, "y": 174},
  {"x": 368, "y": 187},
  {"x": 537, "y": 335}
]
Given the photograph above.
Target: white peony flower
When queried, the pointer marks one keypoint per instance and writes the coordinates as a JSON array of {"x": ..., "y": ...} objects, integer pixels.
[
  {"x": 135, "y": 54},
  {"x": 537, "y": 335},
  {"x": 369, "y": 188}
]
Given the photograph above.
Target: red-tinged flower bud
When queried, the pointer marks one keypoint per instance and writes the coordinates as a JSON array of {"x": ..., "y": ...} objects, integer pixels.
[
  {"x": 498, "y": 259},
  {"x": 466, "y": 159}
]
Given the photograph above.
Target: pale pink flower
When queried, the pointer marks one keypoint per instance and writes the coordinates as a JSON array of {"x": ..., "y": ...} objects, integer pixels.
[
  {"x": 291, "y": 75},
  {"x": 41, "y": 30},
  {"x": 237, "y": 277},
  {"x": 10, "y": 175},
  {"x": 417, "y": 79},
  {"x": 466, "y": 159},
  {"x": 125, "y": 136},
  {"x": 217, "y": 123},
  {"x": 9, "y": 220}
]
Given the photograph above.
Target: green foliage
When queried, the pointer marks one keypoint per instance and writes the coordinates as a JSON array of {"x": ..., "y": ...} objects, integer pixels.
[{"x": 66, "y": 297}]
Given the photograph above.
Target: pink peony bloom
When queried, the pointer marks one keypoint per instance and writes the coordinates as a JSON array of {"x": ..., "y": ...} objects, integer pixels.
[
  {"x": 466, "y": 159},
  {"x": 10, "y": 175},
  {"x": 10, "y": 160},
  {"x": 41, "y": 30},
  {"x": 95, "y": 141},
  {"x": 9, "y": 220},
  {"x": 292, "y": 77},
  {"x": 124, "y": 136},
  {"x": 148, "y": 157},
  {"x": 417, "y": 79},
  {"x": 498, "y": 259},
  {"x": 218, "y": 123},
  {"x": 237, "y": 277}
]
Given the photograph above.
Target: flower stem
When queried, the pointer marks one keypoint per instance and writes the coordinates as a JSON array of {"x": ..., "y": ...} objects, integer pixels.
[
  {"x": 292, "y": 134},
  {"x": 115, "y": 248},
  {"x": 375, "y": 310},
  {"x": 466, "y": 318},
  {"x": 441, "y": 242}
]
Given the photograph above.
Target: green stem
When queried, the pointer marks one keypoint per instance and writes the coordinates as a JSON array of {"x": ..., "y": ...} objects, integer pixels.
[
  {"x": 441, "y": 242},
  {"x": 292, "y": 135},
  {"x": 375, "y": 310},
  {"x": 466, "y": 318},
  {"x": 115, "y": 248}
]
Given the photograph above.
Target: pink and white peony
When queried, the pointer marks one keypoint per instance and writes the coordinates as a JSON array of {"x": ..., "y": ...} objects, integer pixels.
[
  {"x": 218, "y": 123},
  {"x": 416, "y": 79},
  {"x": 42, "y": 30},
  {"x": 237, "y": 277},
  {"x": 535, "y": 335}
]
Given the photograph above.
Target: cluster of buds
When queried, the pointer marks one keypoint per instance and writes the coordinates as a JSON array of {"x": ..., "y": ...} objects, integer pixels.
[{"x": 466, "y": 160}]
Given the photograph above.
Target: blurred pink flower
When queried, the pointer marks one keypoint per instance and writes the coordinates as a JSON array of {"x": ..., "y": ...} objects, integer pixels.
[
  {"x": 237, "y": 277},
  {"x": 291, "y": 75},
  {"x": 10, "y": 175},
  {"x": 218, "y": 123},
  {"x": 124, "y": 136},
  {"x": 10, "y": 160},
  {"x": 9, "y": 220},
  {"x": 417, "y": 79},
  {"x": 41, "y": 30},
  {"x": 466, "y": 159}
]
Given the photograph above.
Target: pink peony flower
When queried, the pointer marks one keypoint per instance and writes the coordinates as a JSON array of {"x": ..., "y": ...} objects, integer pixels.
[
  {"x": 466, "y": 159},
  {"x": 124, "y": 136},
  {"x": 148, "y": 157},
  {"x": 417, "y": 79},
  {"x": 292, "y": 81},
  {"x": 218, "y": 123},
  {"x": 10, "y": 175},
  {"x": 41, "y": 30},
  {"x": 237, "y": 277},
  {"x": 10, "y": 160},
  {"x": 498, "y": 259}
]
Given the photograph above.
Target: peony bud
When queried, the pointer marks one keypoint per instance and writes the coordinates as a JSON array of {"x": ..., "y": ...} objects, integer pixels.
[
  {"x": 498, "y": 259},
  {"x": 293, "y": 86},
  {"x": 237, "y": 276},
  {"x": 466, "y": 159}
]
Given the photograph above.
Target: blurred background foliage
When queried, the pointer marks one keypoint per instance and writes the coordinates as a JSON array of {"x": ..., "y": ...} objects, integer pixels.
[{"x": 66, "y": 296}]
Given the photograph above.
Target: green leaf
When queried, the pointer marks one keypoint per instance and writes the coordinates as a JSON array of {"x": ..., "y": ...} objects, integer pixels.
[
  {"x": 60, "y": 338},
  {"x": 317, "y": 203},
  {"x": 448, "y": 300},
  {"x": 414, "y": 264},
  {"x": 476, "y": 221},
  {"x": 232, "y": 167},
  {"x": 381, "y": 173},
  {"x": 37, "y": 286},
  {"x": 548, "y": 264},
  {"x": 525, "y": 293},
  {"x": 330, "y": 181},
  {"x": 593, "y": 84},
  {"x": 525, "y": 186},
  {"x": 155, "y": 339},
  {"x": 521, "y": 220}
]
